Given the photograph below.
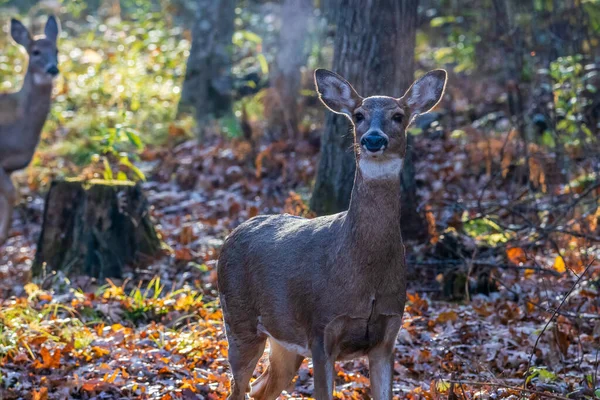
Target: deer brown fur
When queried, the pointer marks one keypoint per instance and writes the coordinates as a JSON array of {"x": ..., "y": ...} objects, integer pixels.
[
  {"x": 332, "y": 287},
  {"x": 23, "y": 113}
]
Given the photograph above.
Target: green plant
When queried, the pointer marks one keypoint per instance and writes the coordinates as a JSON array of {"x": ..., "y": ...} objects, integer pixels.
[{"x": 571, "y": 82}]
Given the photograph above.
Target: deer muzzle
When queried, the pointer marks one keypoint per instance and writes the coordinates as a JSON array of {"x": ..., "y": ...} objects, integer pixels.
[
  {"x": 53, "y": 70},
  {"x": 374, "y": 141}
]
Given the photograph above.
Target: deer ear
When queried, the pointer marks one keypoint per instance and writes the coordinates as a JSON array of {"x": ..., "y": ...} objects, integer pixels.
[
  {"x": 336, "y": 93},
  {"x": 426, "y": 92},
  {"x": 52, "y": 28},
  {"x": 19, "y": 33}
]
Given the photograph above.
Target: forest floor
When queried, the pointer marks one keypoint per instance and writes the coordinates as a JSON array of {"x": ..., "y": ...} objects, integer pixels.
[{"x": 158, "y": 334}]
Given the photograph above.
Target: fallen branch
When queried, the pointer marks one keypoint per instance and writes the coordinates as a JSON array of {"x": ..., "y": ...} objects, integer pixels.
[{"x": 486, "y": 264}]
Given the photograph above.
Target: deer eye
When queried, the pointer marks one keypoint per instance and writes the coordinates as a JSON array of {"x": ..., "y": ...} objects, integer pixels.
[
  {"x": 35, "y": 52},
  {"x": 358, "y": 117},
  {"x": 398, "y": 118}
]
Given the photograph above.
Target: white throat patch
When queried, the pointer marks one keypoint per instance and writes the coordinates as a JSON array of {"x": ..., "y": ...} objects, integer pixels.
[
  {"x": 42, "y": 79},
  {"x": 373, "y": 169}
]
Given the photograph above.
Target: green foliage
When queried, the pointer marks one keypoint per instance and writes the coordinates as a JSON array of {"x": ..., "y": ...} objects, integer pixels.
[
  {"x": 572, "y": 86},
  {"x": 119, "y": 88},
  {"x": 542, "y": 374},
  {"x": 460, "y": 51},
  {"x": 485, "y": 230}
]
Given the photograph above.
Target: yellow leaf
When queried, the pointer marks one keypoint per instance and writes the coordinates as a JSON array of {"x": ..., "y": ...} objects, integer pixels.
[
  {"x": 442, "y": 386},
  {"x": 31, "y": 288},
  {"x": 559, "y": 264},
  {"x": 529, "y": 272}
]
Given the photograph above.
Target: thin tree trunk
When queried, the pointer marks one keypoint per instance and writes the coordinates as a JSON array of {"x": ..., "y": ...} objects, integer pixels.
[
  {"x": 291, "y": 57},
  {"x": 207, "y": 86},
  {"x": 374, "y": 50}
]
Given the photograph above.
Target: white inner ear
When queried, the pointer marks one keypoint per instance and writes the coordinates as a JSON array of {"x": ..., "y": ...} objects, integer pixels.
[
  {"x": 423, "y": 93},
  {"x": 379, "y": 170},
  {"x": 338, "y": 92}
]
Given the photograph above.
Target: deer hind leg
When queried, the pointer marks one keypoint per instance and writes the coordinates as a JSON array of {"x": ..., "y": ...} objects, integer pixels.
[
  {"x": 243, "y": 356},
  {"x": 283, "y": 365},
  {"x": 7, "y": 201}
]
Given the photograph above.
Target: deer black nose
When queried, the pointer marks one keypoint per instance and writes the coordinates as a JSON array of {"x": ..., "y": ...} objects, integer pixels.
[
  {"x": 373, "y": 142},
  {"x": 53, "y": 70}
]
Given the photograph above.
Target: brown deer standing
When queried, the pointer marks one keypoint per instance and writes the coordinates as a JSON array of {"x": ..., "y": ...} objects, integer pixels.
[
  {"x": 23, "y": 113},
  {"x": 333, "y": 287}
]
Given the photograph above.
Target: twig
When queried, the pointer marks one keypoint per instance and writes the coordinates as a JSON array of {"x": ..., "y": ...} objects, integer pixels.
[
  {"x": 485, "y": 264},
  {"x": 499, "y": 385},
  {"x": 550, "y": 320}
]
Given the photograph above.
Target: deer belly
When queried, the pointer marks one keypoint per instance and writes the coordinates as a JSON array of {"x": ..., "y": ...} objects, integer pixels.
[
  {"x": 355, "y": 337},
  {"x": 300, "y": 348}
]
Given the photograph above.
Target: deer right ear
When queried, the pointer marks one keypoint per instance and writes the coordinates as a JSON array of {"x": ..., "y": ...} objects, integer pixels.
[
  {"x": 19, "y": 33},
  {"x": 336, "y": 93}
]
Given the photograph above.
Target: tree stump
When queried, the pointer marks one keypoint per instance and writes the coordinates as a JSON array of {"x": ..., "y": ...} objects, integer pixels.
[{"x": 95, "y": 228}]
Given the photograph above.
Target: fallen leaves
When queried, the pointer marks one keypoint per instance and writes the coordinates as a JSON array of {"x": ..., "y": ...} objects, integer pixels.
[{"x": 49, "y": 359}]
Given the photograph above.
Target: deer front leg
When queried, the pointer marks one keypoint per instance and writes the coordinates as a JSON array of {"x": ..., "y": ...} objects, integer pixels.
[
  {"x": 381, "y": 369},
  {"x": 7, "y": 201},
  {"x": 323, "y": 367},
  {"x": 381, "y": 362}
]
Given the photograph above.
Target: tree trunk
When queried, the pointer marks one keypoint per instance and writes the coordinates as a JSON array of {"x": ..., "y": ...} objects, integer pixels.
[
  {"x": 207, "y": 85},
  {"x": 94, "y": 228},
  {"x": 292, "y": 55},
  {"x": 374, "y": 50}
]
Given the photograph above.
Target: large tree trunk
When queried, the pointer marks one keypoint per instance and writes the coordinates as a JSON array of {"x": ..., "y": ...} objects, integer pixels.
[
  {"x": 94, "y": 228},
  {"x": 374, "y": 50},
  {"x": 207, "y": 86},
  {"x": 291, "y": 57}
]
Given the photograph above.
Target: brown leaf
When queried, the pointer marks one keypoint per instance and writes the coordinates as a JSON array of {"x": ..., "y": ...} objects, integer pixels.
[{"x": 447, "y": 316}]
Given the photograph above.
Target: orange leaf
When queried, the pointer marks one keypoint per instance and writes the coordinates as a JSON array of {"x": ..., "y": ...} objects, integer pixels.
[
  {"x": 41, "y": 395},
  {"x": 99, "y": 351},
  {"x": 183, "y": 254},
  {"x": 516, "y": 255},
  {"x": 91, "y": 385},
  {"x": 49, "y": 360},
  {"x": 112, "y": 378}
]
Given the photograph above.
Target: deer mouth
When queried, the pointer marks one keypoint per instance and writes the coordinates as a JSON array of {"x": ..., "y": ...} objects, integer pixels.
[{"x": 373, "y": 153}]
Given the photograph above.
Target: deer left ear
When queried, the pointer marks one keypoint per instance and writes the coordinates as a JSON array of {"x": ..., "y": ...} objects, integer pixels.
[
  {"x": 52, "y": 28},
  {"x": 426, "y": 92}
]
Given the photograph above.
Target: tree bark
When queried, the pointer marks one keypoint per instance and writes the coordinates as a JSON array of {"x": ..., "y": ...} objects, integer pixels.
[
  {"x": 374, "y": 50},
  {"x": 94, "y": 228},
  {"x": 292, "y": 55},
  {"x": 207, "y": 87}
]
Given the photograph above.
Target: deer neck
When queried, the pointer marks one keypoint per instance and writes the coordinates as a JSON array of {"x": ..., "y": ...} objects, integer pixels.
[
  {"x": 34, "y": 104},
  {"x": 373, "y": 218}
]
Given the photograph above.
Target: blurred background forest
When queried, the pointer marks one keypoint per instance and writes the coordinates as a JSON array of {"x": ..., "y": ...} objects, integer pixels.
[{"x": 210, "y": 106}]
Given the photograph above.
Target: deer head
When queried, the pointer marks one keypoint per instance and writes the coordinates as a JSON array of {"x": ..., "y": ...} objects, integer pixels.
[
  {"x": 380, "y": 122},
  {"x": 42, "y": 51}
]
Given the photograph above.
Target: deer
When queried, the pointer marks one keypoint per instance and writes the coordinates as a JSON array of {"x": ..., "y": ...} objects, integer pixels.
[
  {"x": 23, "y": 113},
  {"x": 333, "y": 287}
]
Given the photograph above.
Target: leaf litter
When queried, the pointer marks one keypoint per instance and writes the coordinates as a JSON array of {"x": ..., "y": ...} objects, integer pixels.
[{"x": 158, "y": 334}]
